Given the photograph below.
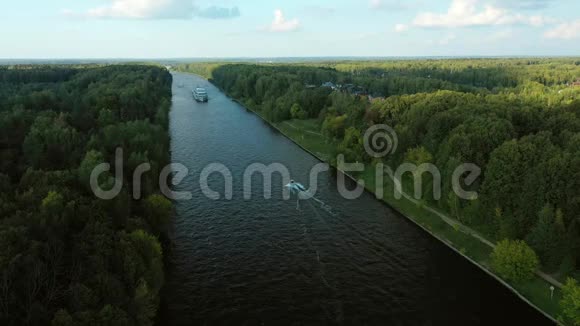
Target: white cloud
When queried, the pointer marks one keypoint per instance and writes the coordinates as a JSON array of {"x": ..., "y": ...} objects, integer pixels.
[
  {"x": 281, "y": 24},
  {"x": 400, "y": 28},
  {"x": 565, "y": 31},
  {"x": 467, "y": 13},
  {"x": 143, "y": 9},
  {"x": 155, "y": 9}
]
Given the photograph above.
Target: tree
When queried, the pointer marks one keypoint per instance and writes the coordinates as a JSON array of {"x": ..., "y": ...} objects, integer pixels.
[
  {"x": 106, "y": 118},
  {"x": 352, "y": 146},
  {"x": 51, "y": 143},
  {"x": 570, "y": 302},
  {"x": 91, "y": 160},
  {"x": 62, "y": 318},
  {"x": 143, "y": 258},
  {"x": 113, "y": 316},
  {"x": 144, "y": 304},
  {"x": 66, "y": 257},
  {"x": 518, "y": 167},
  {"x": 53, "y": 202},
  {"x": 158, "y": 211},
  {"x": 514, "y": 260},
  {"x": 418, "y": 156},
  {"x": 546, "y": 237},
  {"x": 297, "y": 112},
  {"x": 334, "y": 126}
]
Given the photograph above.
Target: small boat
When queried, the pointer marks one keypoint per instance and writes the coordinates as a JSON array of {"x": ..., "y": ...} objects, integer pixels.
[
  {"x": 300, "y": 191},
  {"x": 200, "y": 94},
  {"x": 295, "y": 186}
]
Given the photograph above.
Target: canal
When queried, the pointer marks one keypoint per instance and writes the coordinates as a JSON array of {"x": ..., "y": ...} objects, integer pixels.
[{"x": 263, "y": 262}]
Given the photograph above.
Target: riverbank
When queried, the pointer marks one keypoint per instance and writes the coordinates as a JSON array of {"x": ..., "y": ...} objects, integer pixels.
[
  {"x": 452, "y": 233},
  {"x": 250, "y": 261}
]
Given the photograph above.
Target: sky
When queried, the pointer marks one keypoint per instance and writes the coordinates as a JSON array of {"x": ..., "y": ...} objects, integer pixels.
[{"x": 64, "y": 29}]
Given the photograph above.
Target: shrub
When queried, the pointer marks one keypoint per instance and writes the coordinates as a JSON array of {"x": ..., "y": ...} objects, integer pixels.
[
  {"x": 571, "y": 301},
  {"x": 514, "y": 260}
]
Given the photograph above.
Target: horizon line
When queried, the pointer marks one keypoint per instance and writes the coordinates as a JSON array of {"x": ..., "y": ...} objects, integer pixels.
[{"x": 283, "y": 57}]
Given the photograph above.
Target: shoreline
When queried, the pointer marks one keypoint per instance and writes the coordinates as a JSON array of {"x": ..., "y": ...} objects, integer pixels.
[{"x": 446, "y": 242}]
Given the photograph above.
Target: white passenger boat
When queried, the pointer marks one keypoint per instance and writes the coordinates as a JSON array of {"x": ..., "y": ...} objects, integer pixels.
[{"x": 200, "y": 94}]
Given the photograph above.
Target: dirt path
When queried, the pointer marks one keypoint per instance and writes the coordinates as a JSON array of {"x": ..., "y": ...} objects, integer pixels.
[
  {"x": 308, "y": 131},
  {"x": 469, "y": 231},
  {"x": 449, "y": 220}
]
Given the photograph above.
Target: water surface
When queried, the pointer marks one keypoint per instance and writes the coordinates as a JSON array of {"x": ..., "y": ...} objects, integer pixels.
[{"x": 257, "y": 261}]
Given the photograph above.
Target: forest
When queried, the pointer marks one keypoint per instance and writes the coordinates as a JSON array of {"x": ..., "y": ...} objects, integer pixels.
[
  {"x": 517, "y": 119},
  {"x": 67, "y": 257}
]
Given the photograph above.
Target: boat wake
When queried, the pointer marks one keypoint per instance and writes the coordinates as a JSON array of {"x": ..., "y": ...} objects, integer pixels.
[
  {"x": 325, "y": 207},
  {"x": 303, "y": 194}
]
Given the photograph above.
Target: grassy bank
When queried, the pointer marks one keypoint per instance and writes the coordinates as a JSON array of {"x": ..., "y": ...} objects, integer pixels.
[{"x": 536, "y": 291}]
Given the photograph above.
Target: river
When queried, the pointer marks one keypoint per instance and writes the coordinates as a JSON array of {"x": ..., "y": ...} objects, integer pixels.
[{"x": 263, "y": 262}]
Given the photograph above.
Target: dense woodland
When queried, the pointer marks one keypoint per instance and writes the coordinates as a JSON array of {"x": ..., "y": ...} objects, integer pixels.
[
  {"x": 66, "y": 257},
  {"x": 517, "y": 119}
]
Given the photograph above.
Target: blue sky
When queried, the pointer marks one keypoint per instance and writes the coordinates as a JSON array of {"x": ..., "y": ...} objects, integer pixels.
[{"x": 248, "y": 28}]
